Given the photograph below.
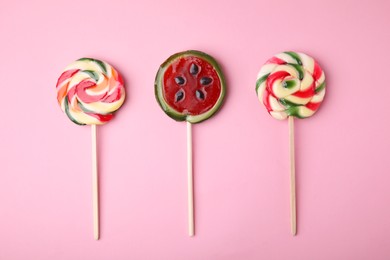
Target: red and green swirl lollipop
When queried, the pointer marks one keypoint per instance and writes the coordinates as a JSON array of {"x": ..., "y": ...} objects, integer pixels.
[
  {"x": 291, "y": 84},
  {"x": 190, "y": 87}
]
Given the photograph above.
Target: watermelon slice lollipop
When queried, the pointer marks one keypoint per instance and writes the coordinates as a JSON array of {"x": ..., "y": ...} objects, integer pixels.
[
  {"x": 291, "y": 84},
  {"x": 190, "y": 87}
]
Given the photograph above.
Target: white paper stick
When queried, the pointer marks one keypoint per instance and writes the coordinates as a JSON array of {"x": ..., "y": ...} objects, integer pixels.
[
  {"x": 190, "y": 184},
  {"x": 95, "y": 185},
  {"x": 292, "y": 178}
]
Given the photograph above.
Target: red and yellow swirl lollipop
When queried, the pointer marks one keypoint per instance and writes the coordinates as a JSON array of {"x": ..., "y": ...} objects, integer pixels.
[
  {"x": 90, "y": 91},
  {"x": 291, "y": 84}
]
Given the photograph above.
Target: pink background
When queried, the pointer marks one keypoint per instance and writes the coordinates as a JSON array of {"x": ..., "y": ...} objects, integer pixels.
[{"x": 240, "y": 155}]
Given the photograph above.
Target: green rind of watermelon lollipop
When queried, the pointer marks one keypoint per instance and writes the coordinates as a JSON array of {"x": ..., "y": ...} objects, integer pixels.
[{"x": 190, "y": 86}]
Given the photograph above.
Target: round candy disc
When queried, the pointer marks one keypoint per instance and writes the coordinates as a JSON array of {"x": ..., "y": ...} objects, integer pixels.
[
  {"x": 291, "y": 84},
  {"x": 190, "y": 86},
  {"x": 89, "y": 91}
]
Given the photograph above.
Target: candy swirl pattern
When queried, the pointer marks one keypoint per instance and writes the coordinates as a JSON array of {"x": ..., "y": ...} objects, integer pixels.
[
  {"x": 89, "y": 91},
  {"x": 291, "y": 84}
]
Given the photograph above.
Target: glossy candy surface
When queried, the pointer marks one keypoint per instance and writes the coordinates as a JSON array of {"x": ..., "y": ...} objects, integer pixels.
[
  {"x": 89, "y": 91},
  {"x": 291, "y": 84},
  {"x": 190, "y": 86}
]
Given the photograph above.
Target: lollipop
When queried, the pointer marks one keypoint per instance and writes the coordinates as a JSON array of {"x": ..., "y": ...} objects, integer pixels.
[
  {"x": 89, "y": 91},
  {"x": 190, "y": 87},
  {"x": 291, "y": 84}
]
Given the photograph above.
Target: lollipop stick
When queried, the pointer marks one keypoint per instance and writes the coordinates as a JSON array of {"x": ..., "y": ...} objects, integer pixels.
[
  {"x": 190, "y": 181},
  {"x": 292, "y": 178},
  {"x": 95, "y": 193}
]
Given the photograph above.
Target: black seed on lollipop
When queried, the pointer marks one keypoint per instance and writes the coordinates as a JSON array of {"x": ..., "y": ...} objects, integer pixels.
[
  {"x": 199, "y": 95},
  {"x": 194, "y": 69},
  {"x": 205, "y": 81},
  {"x": 180, "y": 80},
  {"x": 179, "y": 95}
]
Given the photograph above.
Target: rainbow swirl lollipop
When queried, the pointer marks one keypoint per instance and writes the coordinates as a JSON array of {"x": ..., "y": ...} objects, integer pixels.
[
  {"x": 291, "y": 84},
  {"x": 89, "y": 91}
]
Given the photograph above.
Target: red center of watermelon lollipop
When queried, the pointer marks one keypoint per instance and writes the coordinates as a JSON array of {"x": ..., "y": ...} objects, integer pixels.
[{"x": 191, "y": 85}]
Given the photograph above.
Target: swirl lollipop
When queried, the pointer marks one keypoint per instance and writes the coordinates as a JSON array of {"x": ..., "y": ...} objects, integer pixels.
[
  {"x": 89, "y": 91},
  {"x": 190, "y": 87},
  {"x": 291, "y": 84}
]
